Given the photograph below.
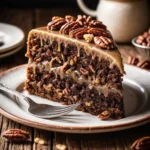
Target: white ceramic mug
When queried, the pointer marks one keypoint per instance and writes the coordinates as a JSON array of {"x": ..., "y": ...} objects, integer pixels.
[{"x": 124, "y": 18}]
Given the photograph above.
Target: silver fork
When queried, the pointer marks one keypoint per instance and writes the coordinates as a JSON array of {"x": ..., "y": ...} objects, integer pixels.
[{"x": 40, "y": 110}]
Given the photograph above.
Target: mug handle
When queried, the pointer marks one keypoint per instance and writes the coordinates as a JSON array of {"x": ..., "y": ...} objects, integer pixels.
[{"x": 85, "y": 9}]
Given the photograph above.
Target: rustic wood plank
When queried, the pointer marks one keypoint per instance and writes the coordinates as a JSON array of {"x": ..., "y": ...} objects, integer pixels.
[
  {"x": 4, "y": 144},
  {"x": 46, "y": 136},
  {"x": 59, "y": 138},
  {"x": 119, "y": 140}
]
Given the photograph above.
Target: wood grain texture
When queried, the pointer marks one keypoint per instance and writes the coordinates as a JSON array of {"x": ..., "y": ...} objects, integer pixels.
[{"x": 27, "y": 19}]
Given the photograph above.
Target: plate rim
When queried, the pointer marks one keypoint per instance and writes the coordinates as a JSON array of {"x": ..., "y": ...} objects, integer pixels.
[
  {"x": 11, "y": 52},
  {"x": 72, "y": 129},
  {"x": 2, "y": 50}
]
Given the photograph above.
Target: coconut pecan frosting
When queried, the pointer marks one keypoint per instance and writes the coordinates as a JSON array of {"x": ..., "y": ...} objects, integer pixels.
[{"x": 83, "y": 27}]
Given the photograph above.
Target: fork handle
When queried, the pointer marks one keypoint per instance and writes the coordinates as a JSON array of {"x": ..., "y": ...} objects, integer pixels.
[{"x": 11, "y": 91}]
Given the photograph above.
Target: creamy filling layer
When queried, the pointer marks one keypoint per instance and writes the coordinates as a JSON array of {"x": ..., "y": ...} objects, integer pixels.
[{"x": 75, "y": 75}]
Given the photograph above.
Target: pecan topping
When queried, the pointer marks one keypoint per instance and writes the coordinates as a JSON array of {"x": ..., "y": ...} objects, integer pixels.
[
  {"x": 98, "y": 32},
  {"x": 66, "y": 28},
  {"x": 78, "y": 33},
  {"x": 81, "y": 27},
  {"x": 141, "y": 143},
  {"x": 70, "y": 18},
  {"x": 104, "y": 115},
  {"x": 103, "y": 42},
  {"x": 88, "y": 37},
  {"x": 97, "y": 24},
  {"x": 56, "y": 23},
  {"x": 83, "y": 20},
  {"x": 16, "y": 135}
]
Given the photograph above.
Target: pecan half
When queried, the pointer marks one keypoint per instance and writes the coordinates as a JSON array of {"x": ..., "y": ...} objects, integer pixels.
[
  {"x": 141, "y": 143},
  {"x": 16, "y": 135},
  {"x": 56, "y": 18},
  {"x": 70, "y": 18},
  {"x": 104, "y": 115},
  {"x": 66, "y": 28},
  {"x": 98, "y": 32},
  {"x": 82, "y": 20},
  {"x": 84, "y": 71},
  {"x": 97, "y": 24},
  {"x": 144, "y": 64},
  {"x": 56, "y": 23},
  {"x": 78, "y": 33},
  {"x": 103, "y": 42},
  {"x": 133, "y": 60}
]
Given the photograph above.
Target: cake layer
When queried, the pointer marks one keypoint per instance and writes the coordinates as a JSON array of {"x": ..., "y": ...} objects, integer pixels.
[
  {"x": 67, "y": 91},
  {"x": 40, "y": 38},
  {"x": 76, "y": 75},
  {"x": 79, "y": 62}
]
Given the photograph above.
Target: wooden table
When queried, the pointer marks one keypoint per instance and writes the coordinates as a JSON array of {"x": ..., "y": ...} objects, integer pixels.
[{"x": 27, "y": 19}]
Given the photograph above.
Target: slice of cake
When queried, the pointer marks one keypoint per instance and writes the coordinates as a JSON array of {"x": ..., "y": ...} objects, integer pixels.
[{"x": 76, "y": 60}]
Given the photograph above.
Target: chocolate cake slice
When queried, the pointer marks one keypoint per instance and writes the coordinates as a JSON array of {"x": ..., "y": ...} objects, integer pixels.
[{"x": 76, "y": 60}]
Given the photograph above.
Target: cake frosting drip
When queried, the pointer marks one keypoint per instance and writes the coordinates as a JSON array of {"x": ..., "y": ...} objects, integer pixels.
[
  {"x": 113, "y": 57},
  {"x": 73, "y": 74},
  {"x": 83, "y": 27}
]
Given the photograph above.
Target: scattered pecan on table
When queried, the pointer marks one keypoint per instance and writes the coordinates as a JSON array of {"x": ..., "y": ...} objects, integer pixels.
[
  {"x": 145, "y": 64},
  {"x": 141, "y": 143},
  {"x": 83, "y": 27},
  {"x": 16, "y": 135}
]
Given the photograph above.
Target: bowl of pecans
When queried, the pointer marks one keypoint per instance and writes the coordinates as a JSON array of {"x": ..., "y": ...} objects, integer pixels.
[{"x": 142, "y": 44}]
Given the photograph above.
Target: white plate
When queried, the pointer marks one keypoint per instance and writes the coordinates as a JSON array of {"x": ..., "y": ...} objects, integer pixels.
[
  {"x": 13, "y": 51},
  {"x": 11, "y": 35},
  {"x": 136, "y": 98}
]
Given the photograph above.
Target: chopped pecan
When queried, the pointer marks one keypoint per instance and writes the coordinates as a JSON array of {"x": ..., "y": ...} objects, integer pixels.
[
  {"x": 141, "y": 143},
  {"x": 82, "y": 20},
  {"x": 70, "y": 18},
  {"x": 56, "y": 18},
  {"x": 61, "y": 147},
  {"x": 66, "y": 91},
  {"x": 65, "y": 67},
  {"x": 104, "y": 115},
  {"x": 88, "y": 37},
  {"x": 39, "y": 141},
  {"x": 84, "y": 71},
  {"x": 16, "y": 135},
  {"x": 56, "y": 24},
  {"x": 97, "y": 24},
  {"x": 92, "y": 68}
]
